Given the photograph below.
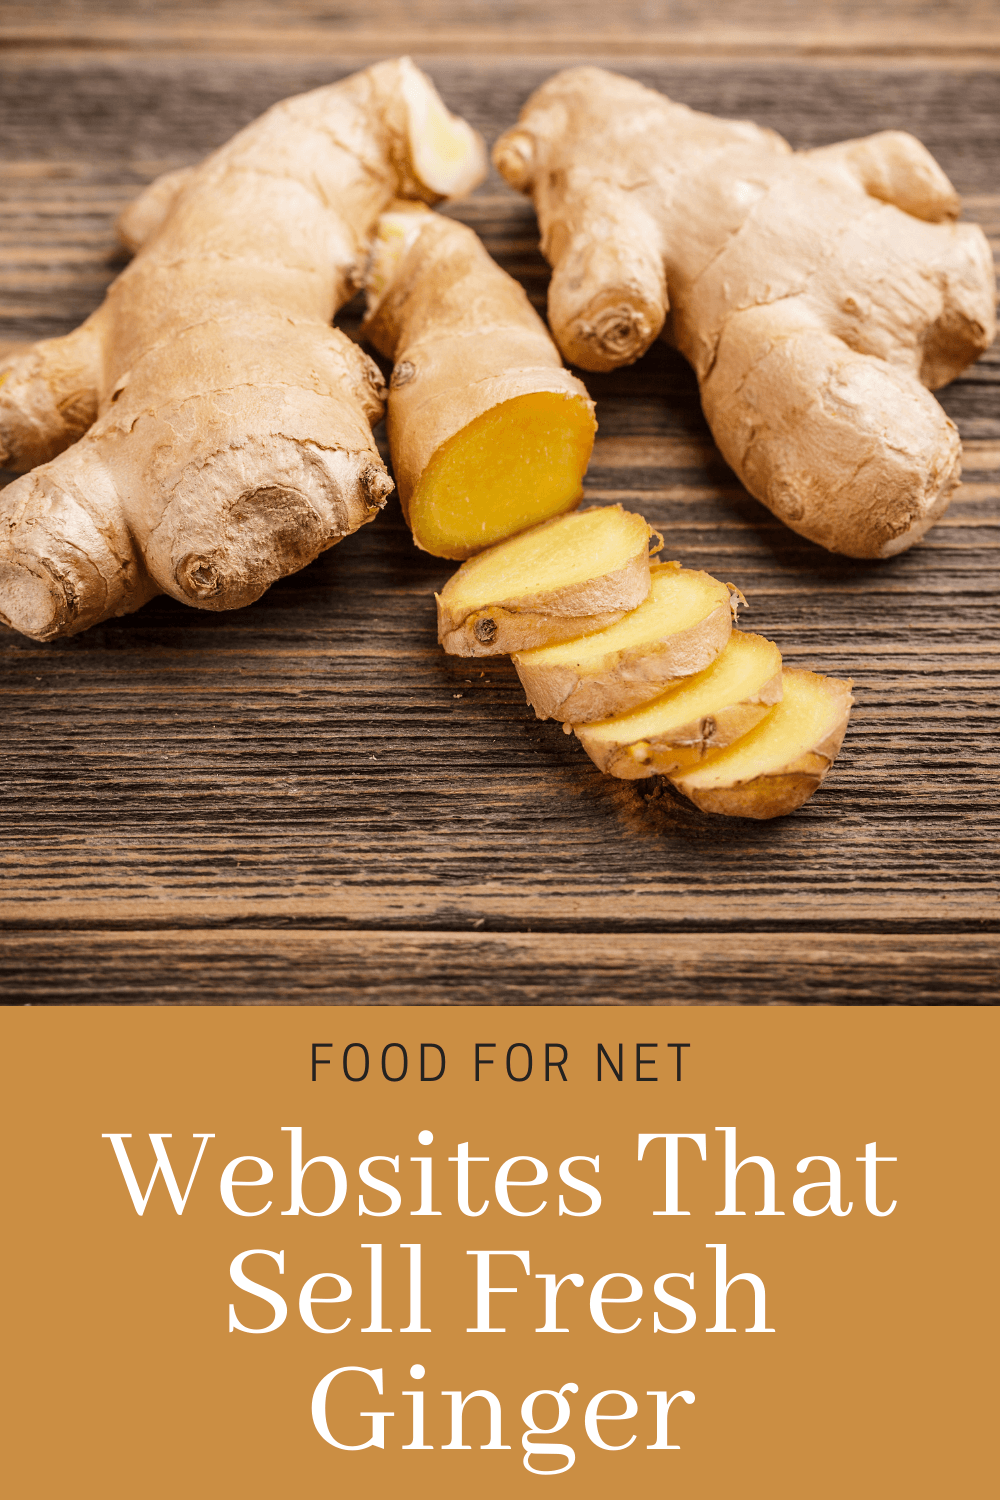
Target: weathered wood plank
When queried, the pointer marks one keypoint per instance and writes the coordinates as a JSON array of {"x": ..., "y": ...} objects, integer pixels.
[
  {"x": 402, "y": 968},
  {"x": 558, "y": 28}
]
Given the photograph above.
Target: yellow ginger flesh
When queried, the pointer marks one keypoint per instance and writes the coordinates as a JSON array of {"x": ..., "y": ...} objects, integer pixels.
[
  {"x": 518, "y": 464},
  {"x": 588, "y": 545},
  {"x": 811, "y": 708},
  {"x": 737, "y": 675},
  {"x": 678, "y": 598}
]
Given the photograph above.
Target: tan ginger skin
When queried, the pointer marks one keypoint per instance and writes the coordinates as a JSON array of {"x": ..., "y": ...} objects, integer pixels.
[
  {"x": 220, "y": 428},
  {"x": 818, "y": 294}
]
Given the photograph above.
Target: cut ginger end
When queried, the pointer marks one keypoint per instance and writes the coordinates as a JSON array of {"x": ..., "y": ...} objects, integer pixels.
[
  {"x": 518, "y": 464},
  {"x": 779, "y": 764}
]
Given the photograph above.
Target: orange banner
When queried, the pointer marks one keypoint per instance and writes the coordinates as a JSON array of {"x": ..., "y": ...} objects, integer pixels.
[{"x": 405, "y": 1251}]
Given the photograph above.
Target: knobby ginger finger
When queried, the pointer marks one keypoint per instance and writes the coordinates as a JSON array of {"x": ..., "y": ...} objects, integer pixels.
[{"x": 228, "y": 435}]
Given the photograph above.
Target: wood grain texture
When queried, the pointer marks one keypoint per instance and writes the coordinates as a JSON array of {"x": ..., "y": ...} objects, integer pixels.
[
  {"x": 307, "y": 799},
  {"x": 418, "y": 968}
]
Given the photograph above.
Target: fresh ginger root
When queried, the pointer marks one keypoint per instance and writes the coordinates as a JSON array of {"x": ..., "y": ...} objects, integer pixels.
[
  {"x": 220, "y": 428},
  {"x": 563, "y": 578},
  {"x": 489, "y": 434},
  {"x": 816, "y": 293}
]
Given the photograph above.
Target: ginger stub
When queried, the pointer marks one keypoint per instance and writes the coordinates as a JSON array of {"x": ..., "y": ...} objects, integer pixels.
[
  {"x": 489, "y": 434},
  {"x": 819, "y": 295},
  {"x": 710, "y": 710},
  {"x": 564, "y": 578},
  {"x": 772, "y": 770},
  {"x": 681, "y": 626},
  {"x": 207, "y": 431}
]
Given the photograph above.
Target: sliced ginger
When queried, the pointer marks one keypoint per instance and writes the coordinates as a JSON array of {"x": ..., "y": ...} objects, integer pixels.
[
  {"x": 518, "y": 464},
  {"x": 678, "y": 629},
  {"x": 574, "y": 574},
  {"x": 774, "y": 768},
  {"x": 739, "y": 736},
  {"x": 705, "y": 713}
]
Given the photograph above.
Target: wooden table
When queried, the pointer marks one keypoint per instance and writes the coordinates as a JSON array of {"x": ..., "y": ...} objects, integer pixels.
[{"x": 306, "y": 800}]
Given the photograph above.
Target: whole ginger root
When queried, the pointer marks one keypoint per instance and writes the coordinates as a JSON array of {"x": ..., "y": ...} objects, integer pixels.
[
  {"x": 206, "y": 431},
  {"x": 818, "y": 294}
]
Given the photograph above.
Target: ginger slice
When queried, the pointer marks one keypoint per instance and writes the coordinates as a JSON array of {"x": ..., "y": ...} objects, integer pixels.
[
  {"x": 779, "y": 764},
  {"x": 489, "y": 434},
  {"x": 576, "y": 573},
  {"x": 705, "y": 713},
  {"x": 678, "y": 630}
]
